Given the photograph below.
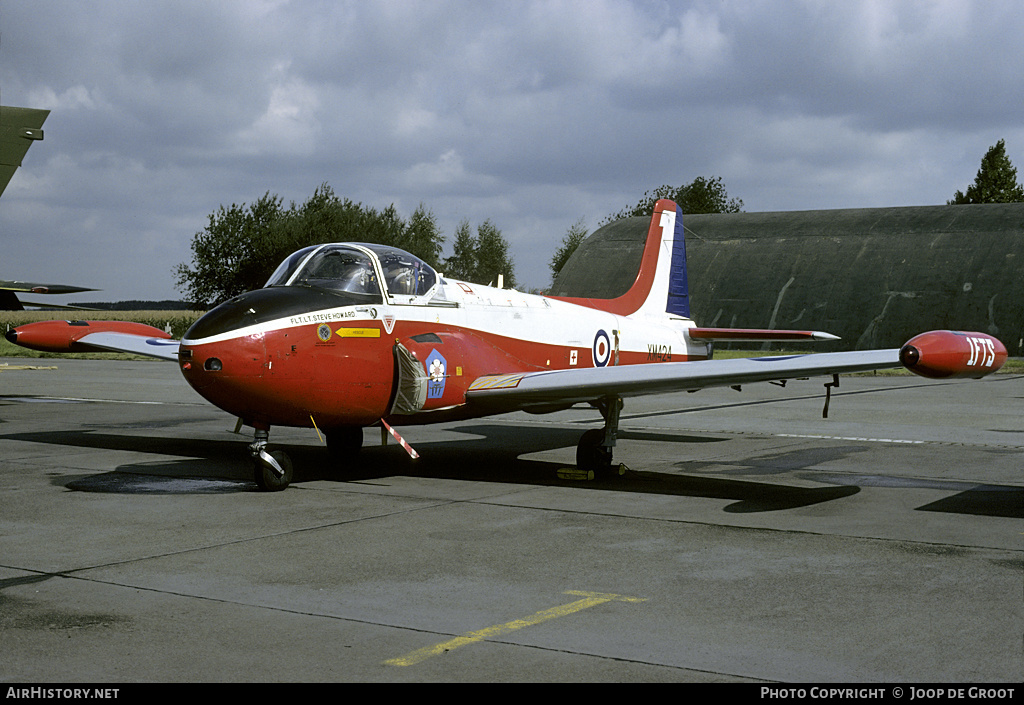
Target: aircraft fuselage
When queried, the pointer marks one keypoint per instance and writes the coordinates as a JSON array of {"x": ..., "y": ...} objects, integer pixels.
[{"x": 271, "y": 359}]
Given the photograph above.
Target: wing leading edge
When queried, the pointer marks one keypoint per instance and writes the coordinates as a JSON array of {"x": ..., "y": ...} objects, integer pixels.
[{"x": 501, "y": 393}]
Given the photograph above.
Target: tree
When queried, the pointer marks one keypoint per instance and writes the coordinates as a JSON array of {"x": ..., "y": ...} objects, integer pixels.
[
  {"x": 224, "y": 258},
  {"x": 422, "y": 236},
  {"x": 492, "y": 258},
  {"x": 576, "y": 233},
  {"x": 323, "y": 218},
  {"x": 996, "y": 181},
  {"x": 462, "y": 263},
  {"x": 240, "y": 246},
  {"x": 480, "y": 258},
  {"x": 700, "y": 196}
]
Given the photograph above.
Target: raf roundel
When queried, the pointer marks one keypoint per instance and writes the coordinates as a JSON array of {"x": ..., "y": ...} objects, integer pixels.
[{"x": 602, "y": 349}]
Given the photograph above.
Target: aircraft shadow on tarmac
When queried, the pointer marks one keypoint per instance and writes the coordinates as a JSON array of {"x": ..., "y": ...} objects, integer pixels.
[
  {"x": 970, "y": 498},
  {"x": 491, "y": 454}
]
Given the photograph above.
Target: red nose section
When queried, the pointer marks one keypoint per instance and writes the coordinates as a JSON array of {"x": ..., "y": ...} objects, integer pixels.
[
  {"x": 291, "y": 377},
  {"x": 64, "y": 336},
  {"x": 947, "y": 354}
]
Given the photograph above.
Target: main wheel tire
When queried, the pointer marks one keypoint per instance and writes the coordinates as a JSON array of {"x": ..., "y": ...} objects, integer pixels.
[
  {"x": 591, "y": 454},
  {"x": 344, "y": 443},
  {"x": 266, "y": 479}
]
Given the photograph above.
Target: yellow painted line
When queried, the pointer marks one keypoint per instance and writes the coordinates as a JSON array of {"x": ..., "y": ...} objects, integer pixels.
[
  {"x": 590, "y": 599},
  {"x": 358, "y": 332}
]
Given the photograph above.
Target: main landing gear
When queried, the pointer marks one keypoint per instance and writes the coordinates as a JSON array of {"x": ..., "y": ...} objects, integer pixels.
[{"x": 594, "y": 451}]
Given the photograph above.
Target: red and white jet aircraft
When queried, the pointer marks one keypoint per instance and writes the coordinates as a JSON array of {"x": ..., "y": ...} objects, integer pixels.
[{"x": 345, "y": 336}]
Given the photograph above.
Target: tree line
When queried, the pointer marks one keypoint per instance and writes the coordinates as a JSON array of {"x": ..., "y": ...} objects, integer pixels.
[{"x": 241, "y": 245}]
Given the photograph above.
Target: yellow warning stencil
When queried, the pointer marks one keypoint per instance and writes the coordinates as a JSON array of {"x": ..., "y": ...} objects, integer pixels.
[{"x": 358, "y": 332}]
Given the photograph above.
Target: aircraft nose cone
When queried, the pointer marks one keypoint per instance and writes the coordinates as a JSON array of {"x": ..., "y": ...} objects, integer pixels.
[{"x": 12, "y": 335}]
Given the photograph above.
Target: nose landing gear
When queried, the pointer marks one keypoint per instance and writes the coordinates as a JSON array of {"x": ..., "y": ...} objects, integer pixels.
[{"x": 272, "y": 470}]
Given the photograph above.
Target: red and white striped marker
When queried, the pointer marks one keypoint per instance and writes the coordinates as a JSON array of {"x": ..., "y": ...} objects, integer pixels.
[{"x": 401, "y": 441}]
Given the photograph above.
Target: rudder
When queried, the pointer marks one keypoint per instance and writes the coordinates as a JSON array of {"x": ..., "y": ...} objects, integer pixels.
[{"x": 678, "y": 303}]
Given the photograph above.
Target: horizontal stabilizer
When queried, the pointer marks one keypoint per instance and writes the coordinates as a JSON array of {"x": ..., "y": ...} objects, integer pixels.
[{"x": 759, "y": 335}]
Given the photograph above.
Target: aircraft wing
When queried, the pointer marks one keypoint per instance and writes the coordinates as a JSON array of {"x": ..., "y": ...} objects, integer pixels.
[
  {"x": 19, "y": 128},
  {"x": 8, "y": 305},
  {"x": 500, "y": 393},
  {"x": 936, "y": 354},
  {"x": 162, "y": 348},
  {"x": 10, "y": 302},
  {"x": 34, "y": 288},
  {"x": 95, "y": 336}
]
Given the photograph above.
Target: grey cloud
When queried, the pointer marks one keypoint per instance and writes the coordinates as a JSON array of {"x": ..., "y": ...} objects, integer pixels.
[{"x": 533, "y": 114}]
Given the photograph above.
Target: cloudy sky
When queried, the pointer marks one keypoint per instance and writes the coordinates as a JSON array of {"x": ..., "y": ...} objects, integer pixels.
[{"x": 531, "y": 114}]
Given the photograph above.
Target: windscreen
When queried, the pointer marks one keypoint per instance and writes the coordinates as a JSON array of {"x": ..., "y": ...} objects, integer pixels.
[
  {"x": 349, "y": 269},
  {"x": 286, "y": 269},
  {"x": 332, "y": 267}
]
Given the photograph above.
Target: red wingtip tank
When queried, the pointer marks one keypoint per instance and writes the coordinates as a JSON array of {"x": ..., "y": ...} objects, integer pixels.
[
  {"x": 947, "y": 354},
  {"x": 63, "y": 336}
]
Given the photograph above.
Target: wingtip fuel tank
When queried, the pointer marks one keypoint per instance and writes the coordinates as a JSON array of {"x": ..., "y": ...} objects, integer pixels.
[{"x": 948, "y": 354}]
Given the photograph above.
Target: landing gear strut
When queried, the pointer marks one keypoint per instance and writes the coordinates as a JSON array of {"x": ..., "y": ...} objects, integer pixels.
[
  {"x": 343, "y": 446},
  {"x": 594, "y": 451},
  {"x": 272, "y": 470}
]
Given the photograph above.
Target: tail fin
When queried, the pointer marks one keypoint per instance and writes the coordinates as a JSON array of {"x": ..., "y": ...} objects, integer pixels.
[{"x": 662, "y": 271}]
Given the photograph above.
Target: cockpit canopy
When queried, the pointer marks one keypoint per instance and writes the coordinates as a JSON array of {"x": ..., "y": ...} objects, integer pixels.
[{"x": 359, "y": 268}]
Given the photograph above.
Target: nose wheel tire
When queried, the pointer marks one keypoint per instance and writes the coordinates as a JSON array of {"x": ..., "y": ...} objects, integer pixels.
[
  {"x": 266, "y": 467},
  {"x": 272, "y": 470}
]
